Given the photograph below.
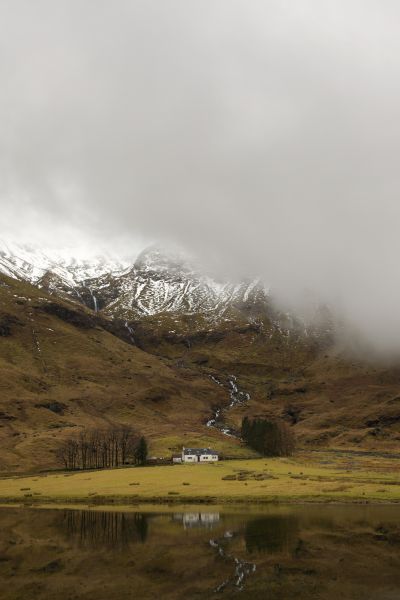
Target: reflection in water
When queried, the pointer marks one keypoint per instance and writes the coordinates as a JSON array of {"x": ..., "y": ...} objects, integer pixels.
[
  {"x": 242, "y": 568},
  {"x": 110, "y": 529},
  {"x": 273, "y": 533},
  {"x": 205, "y": 520},
  {"x": 309, "y": 552}
]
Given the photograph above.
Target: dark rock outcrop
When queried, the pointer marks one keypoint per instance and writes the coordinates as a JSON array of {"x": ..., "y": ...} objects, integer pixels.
[{"x": 6, "y": 322}]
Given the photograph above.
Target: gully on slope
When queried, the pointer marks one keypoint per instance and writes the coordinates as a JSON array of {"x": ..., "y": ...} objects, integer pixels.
[{"x": 237, "y": 397}]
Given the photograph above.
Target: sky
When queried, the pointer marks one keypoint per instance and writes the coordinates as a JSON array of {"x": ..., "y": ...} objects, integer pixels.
[{"x": 262, "y": 137}]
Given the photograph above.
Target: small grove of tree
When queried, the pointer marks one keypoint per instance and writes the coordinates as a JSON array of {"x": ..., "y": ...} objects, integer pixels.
[
  {"x": 270, "y": 438},
  {"x": 102, "y": 449}
]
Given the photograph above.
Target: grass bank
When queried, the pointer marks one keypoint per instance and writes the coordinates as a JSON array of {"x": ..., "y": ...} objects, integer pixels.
[{"x": 308, "y": 477}]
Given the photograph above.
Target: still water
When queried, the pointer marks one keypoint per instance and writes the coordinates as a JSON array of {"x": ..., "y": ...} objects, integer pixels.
[{"x": 270, "y": 553}]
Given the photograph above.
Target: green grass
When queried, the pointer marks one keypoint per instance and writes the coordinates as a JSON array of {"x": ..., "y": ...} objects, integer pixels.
[{"x": 306, "y": 477}]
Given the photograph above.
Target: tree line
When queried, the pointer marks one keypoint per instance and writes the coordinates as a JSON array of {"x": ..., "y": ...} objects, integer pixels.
[
  {"x": 270, "y": 438},
  {"x": 103, "y": 449}
]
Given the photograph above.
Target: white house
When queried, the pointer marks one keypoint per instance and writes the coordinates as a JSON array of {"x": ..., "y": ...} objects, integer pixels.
[{"x": 199, "y": 455}]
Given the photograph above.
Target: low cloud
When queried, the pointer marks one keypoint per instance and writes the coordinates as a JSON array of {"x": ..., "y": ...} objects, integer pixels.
[{"x": 263, "y": 137}]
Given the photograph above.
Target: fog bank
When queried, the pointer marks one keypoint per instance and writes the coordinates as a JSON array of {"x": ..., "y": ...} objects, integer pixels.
[{"x": 262, "y": 136}]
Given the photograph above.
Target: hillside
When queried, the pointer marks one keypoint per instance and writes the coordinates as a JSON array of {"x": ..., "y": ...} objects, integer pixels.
[
  {"x": 63, "y": 367},
  {"x": 179, "y": 357},
  {"x": 326, "y": 395}
]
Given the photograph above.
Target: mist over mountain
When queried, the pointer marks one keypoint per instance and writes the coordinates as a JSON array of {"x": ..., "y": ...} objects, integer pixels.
[
  {"x": 199, "y": 299},
  {"x": 165, "y": 279},
  {"x": 158, "y": 281},
  {"x": 261, "y": 138}
]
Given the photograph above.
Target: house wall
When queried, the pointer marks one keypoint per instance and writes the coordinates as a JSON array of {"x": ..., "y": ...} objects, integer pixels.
[
  {"x": 190, "y": 458},
  {"x": 193, "y": 458}
]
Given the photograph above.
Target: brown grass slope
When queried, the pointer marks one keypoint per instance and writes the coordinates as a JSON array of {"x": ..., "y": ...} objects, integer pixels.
[
  {"x": 62, "y": 368},
  {"x": 329, "y": 398}
]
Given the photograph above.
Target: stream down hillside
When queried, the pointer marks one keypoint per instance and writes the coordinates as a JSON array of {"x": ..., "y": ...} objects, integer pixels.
[{"x": 236, "y": 396}]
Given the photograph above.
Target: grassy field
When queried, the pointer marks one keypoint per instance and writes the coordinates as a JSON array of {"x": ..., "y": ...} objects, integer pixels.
[{"x": 318, "y": 476}]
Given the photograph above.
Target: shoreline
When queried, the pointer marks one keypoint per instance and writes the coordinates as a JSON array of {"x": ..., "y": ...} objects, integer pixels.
[{"x": 135, "y": 501}]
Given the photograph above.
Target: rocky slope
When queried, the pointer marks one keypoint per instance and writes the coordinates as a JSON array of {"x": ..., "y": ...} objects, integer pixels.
[{"x": 158, "y": 282}]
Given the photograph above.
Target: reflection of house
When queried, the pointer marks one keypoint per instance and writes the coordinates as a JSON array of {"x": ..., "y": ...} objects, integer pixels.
[
  {"x": 209, "y": 518},
  {"x": 196, "y": 455},
  {"x": 195, "y": 519}
]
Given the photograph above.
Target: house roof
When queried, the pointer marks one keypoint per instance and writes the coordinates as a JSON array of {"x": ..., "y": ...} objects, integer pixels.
[{"x": 199, "y": 451}]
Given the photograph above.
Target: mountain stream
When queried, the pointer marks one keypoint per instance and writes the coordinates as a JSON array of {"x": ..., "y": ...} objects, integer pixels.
[{"x": 237, "y": 397}]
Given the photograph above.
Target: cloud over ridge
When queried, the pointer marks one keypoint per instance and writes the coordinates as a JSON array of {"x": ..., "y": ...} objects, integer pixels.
[{"x": 263, "y": 137}]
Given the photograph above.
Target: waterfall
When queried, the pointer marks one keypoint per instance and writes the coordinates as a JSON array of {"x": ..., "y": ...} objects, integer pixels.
[
  {"x": 94, "y": 299},
  {"x": 236, "y": 396},
  {"x": 131, "y": 332}
]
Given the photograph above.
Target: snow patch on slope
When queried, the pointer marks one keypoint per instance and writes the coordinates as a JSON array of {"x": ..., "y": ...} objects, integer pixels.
[
  {"x": 158, "y": 282},
  {"x": 29, "y": 263}
]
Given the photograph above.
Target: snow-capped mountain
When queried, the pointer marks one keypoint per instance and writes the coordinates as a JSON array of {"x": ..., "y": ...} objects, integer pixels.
[
  {"x": 158, "y": 282},
  {"x": 31, "y": 263}
]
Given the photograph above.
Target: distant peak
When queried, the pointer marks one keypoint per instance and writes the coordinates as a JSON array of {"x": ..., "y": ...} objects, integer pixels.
[{"x": 158, "y": 258}]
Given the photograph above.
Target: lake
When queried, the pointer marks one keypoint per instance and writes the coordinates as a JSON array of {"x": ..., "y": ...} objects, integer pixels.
[{"x": 199, "y": 552}]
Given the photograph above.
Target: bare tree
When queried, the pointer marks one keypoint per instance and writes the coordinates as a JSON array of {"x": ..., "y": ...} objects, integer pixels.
[{"x": 99, "y": 448}]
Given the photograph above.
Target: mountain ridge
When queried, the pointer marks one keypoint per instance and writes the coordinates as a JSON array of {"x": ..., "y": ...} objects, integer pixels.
[{"x": 158, "y": 281}]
